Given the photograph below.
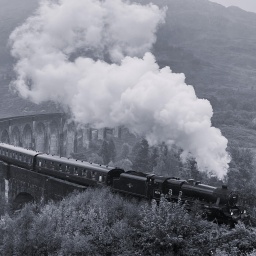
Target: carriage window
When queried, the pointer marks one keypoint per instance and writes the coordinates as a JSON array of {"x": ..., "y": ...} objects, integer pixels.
[
  {"x": 93, "y": 176},
  {"x": 67, "y": 168},
  {"x": 84, "y": 172},
  {"x": 100, "y": 178},
  {"x": 60, "y": 167},
  {"x": 40, "y": 163},
  {"x": 76, "y": 171}
]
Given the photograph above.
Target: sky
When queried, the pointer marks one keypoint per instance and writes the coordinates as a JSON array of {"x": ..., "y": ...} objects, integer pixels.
[{"x": 247, "y": 5}]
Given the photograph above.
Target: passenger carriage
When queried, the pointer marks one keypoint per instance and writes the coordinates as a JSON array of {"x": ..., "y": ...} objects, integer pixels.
[
  {"x": 81, "y": 172},
  {"x": 18, "y": 156}
]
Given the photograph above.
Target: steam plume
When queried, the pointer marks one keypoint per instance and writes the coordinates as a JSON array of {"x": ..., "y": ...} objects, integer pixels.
[{"x": 52, "y": 50}]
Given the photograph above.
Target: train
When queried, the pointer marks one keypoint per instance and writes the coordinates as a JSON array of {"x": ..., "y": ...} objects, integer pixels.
[{"x": 216, "y": 203}]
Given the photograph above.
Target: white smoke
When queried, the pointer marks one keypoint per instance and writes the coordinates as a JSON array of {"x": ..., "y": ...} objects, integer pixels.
[{"x": 132, "y": 91}]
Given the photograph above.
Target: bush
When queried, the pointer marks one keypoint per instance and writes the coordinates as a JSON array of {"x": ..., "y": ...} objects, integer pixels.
[{"x": 97, "y": 222}]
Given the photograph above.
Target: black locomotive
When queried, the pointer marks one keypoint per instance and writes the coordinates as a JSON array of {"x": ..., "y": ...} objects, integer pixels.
[{"x": 216, "y": 202}]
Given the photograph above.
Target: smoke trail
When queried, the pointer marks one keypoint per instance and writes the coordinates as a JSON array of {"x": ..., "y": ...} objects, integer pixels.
[{"x": 53, "y": 49}]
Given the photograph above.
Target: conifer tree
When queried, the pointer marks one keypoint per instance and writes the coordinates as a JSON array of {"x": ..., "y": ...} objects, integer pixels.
[
  {"x": 141, "y": 161},
  {"x": 124, "y": 151},
  {"x": 153, "y": 158},
  {"x": 112, "y": 150},
  {"x": 104, "y": 152}
]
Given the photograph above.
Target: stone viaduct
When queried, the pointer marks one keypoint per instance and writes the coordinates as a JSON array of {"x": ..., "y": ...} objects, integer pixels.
[{"x": 48, "y": 133}]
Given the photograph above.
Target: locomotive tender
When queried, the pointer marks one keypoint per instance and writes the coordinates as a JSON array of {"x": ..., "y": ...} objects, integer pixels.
[{"x": 216, "y": 202}]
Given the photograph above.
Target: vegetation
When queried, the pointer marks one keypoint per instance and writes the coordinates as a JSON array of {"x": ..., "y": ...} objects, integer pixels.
[{"x": 97, "y": 222}]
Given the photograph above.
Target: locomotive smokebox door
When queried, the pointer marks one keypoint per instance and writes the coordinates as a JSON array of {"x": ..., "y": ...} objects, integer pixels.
[{"x": 157, "y": 194}]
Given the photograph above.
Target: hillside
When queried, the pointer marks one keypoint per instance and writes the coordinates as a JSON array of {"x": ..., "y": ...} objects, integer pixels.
[
  {"x": 13, "y": 13},
  {"x": 214, "y": 46}
]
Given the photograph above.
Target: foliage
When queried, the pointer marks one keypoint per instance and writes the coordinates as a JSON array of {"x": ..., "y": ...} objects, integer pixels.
[
  {"x": 125, "y": 150},
  {"x": 168, "y": 161},
  {"x": 242, "y": 177},
  {"x": 107, "y": 151},
  {"x": 104, "y": 152},
  {"x": 141, "y": 156},
  {"x": 95, "y": 158},
  {"x": 112, "y": 150},
  {"x": 125, "y": 164},
  {"x": 97, "y": 222}
]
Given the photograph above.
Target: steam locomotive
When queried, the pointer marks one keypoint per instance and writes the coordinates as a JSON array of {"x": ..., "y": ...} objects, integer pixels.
[{"x": 216, "y": 202}]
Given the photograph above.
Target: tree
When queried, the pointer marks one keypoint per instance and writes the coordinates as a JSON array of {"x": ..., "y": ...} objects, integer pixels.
[
  {"x": 141, "y": 161},
  {"x": 135, "y": 151},
  {"x": 104, "y": 152},
  {"x": 95, "y": 158},
  {"x": 108, "y": 151},
  {"x": 112, "y": 150},
  {"x": 153, "y": 158},
  {"x": 125, "y": 151},
  {"x": 125, "y": 164},
  {"x": 241, "y": 169},
  {"x": 168, "y": 162}
]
